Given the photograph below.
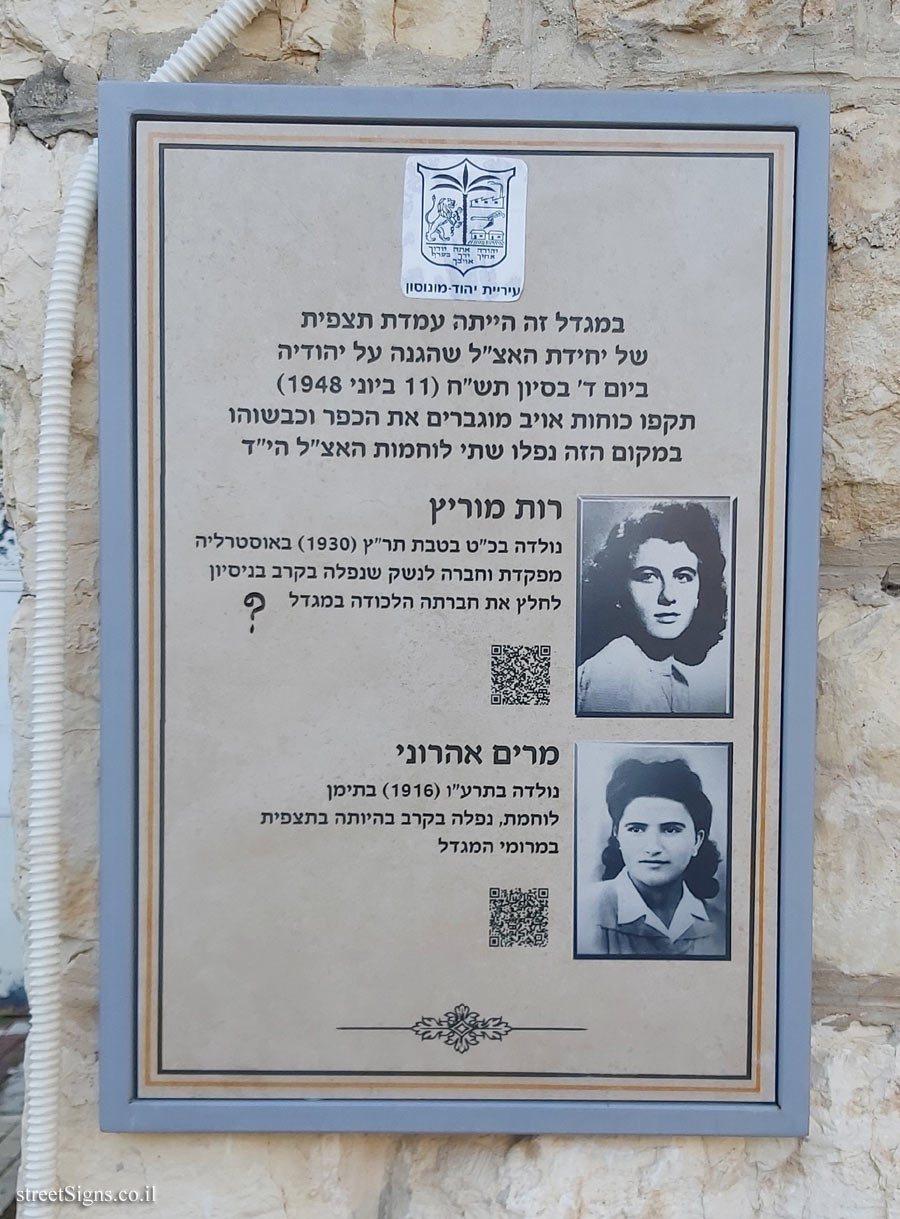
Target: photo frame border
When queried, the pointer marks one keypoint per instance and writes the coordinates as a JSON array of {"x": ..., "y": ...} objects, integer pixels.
[
  {"x": 668, "y": 747},
  {"x": 732, "y": 585}
]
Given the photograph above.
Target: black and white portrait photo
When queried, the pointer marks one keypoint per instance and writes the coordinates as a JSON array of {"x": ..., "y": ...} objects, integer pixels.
[
  {"x": 654, "y": 625},
  {"x": 652, "y": 850}
]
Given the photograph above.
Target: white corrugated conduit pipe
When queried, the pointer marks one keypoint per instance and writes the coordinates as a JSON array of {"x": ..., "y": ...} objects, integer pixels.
[{"x": 42, "y": 956}]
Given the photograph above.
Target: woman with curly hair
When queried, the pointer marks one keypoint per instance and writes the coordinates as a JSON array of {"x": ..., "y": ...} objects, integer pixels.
[
  {"x": 659, "y": 868},
  {"x": 653, "y": 609}
]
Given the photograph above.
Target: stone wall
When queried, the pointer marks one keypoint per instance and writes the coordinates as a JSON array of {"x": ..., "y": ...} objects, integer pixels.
[{"x": 849, "y": 1168}]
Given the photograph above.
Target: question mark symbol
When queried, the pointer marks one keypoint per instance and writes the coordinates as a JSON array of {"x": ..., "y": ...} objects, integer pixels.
[{"x": 255, "y": 603}]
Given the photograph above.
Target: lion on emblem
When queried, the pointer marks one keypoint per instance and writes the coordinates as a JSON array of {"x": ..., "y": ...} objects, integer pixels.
[{"x": 440, "y": 215}]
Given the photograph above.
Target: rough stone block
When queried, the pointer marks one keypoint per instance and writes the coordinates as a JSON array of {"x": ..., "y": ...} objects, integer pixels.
[
  {"x": 331, "y": 25},
  {"x": 739, "y": 20},
  {"x": 58, "y": 98},
  {"x": 857, "y": 907},
  {"x": 436, "y": 28},
  {"x": 861, "y": 495},
  {"x": 79, "y": 29},
  {"x": 737, "y": 44}
]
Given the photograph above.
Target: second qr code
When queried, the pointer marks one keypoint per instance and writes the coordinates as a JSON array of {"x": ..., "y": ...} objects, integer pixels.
[
  {"x": 519, "y": 918},
  {"x": 520, "y": 674}
]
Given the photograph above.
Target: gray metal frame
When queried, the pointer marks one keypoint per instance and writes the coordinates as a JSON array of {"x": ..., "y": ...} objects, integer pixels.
[{"x": 119, "y": 1108}]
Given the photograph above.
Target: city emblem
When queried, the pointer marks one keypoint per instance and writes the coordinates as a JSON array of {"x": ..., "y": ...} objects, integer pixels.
[{"x": 464, "y": 214}]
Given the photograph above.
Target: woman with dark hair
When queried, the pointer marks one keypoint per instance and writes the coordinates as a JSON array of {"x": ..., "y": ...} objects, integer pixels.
[
  {"x": 659, "y": 868},
  {"x": 653, "y": 611}
]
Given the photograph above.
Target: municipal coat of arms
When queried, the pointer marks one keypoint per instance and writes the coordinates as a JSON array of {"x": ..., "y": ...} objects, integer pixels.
[{"x": 464, "y": 214}]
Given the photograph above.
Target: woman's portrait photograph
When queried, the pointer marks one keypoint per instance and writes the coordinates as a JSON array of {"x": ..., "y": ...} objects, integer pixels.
[
  {"x": 654, "y": 621},
  {"x": 652, "y": 850}
]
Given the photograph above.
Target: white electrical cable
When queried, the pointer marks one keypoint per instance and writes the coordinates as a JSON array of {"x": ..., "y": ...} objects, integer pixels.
[{"x": 42, "y": 955}]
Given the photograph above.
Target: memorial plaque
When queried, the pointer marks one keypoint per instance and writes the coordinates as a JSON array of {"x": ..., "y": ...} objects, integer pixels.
[{"x": 458, "y": 608}]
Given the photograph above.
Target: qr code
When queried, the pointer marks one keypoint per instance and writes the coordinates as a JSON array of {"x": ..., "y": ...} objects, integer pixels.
[
  {"x": 519, "y": 918},
  {"x": 520, "y": 674}
]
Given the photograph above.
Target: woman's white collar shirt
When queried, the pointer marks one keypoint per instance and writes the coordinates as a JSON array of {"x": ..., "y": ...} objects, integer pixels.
[
  {"x": 631, "y": 906},
  {"x": 613, "y": 920},
  {"x": 623, "y": 678}
]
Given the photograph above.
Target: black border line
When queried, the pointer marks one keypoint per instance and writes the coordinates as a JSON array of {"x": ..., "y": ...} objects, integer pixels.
[
  {"x": 408, "y": 150},
  {"x": 449, "y": 1075},
  {"x": 162, "y": 607},
  {"x": 759, "y": 594},
  {"x": 135, "y": 586},
  {"x": 449, "y": 121},
  {"x": 784, "y": 604},
  {"x": 454, "y": 123}
]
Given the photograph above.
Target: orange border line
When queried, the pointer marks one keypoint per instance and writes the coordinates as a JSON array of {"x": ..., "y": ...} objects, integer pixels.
[
  {"x": 765, "y": 707},
  {"x": 154, "y": 137},
  {"x": 151, "y": 894},
  {"x": 537, "y": 142},
  {"x": 450, "y": 1082}
]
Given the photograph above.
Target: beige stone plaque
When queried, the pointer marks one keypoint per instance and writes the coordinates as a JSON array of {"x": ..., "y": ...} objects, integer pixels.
[{"x": 459, "y": 612}]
